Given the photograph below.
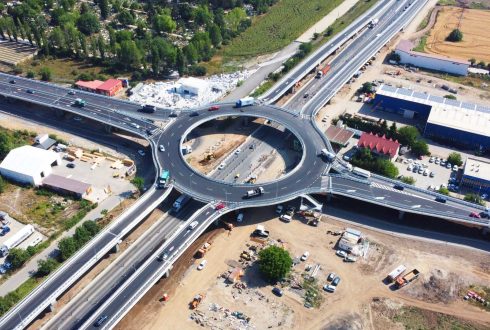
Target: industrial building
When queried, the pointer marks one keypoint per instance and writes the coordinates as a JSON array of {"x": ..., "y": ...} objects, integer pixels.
[
  {"x": 380, "y": 145},
  {"x": 192, "y": 86},
  {"x": 430, "y": 61},
  {"x": 462, "y": 124},
  {"x": 476, "y": 176},
  {"x": 29, "y": 165},
  {"x": 67, "y": 186}
]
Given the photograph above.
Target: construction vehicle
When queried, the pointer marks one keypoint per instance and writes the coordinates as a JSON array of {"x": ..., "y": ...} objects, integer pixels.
[
  {"x": 395, "y": 273},
  {"x": 196, "y": 301},
  {"x": 323, "y": 71},
  {"x": 228, "y": 226},
  {"x": 407, "y": 278},
  {"x": 202, "y": 251},
  {"x": 252, "y": 179},
  {"x": 246, "y": 256},
  {"x": 254, "y": 192}
]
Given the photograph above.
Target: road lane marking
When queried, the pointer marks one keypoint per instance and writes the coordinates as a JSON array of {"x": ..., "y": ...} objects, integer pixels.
[
  {"x": 416, "y": 206},
  {"x": 351, "y": 190},
  {"x": 379, "y": 198}
]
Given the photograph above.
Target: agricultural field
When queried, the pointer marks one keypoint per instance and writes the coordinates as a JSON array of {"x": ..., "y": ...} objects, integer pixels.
[
  {"x": 476, "y": 40},
  {"x": 283, "y": 23}
]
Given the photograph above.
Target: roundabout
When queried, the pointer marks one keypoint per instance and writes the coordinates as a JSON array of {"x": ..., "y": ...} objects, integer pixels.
[{"x": 305, "y": 177}]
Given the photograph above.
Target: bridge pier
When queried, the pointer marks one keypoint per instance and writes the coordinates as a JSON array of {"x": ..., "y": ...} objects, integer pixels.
[
  {"x": 108, "y": 128},
  {"x": 116, "y": 248},
  {"x": 485, "y": 230},
  {"x": 401, "y": 214},
  {"x": 59, "y": 113},
  {"x": 167, "y": 273},
  {"x": 52, "y": 307}
]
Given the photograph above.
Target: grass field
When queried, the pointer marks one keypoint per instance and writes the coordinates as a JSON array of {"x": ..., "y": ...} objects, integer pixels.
[
  {"x": 284, "y": 22},
  {"x": 476, "y": 40},
  {"x": 416, "y": 318}
]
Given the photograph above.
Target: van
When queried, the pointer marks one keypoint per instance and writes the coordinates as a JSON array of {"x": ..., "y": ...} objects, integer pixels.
[{"x": 193, "y": 225}]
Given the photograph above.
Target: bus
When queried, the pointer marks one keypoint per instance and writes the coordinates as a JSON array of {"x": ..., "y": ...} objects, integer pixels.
[
  {"x": 163, "y": 179},
  {"x": 361, "y": 172}
]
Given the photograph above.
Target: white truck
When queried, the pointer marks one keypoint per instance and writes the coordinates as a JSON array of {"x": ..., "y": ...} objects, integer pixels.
[
  {"x": 327, "y": 154},
  {"x": 396, "y": 273},
  {"x": 254, "y": 192},
  {"x": 361, "y": 172},
  {"x": 16, "y": 239},
  {"x": 373, "y": 23},
  {"x": 246, "y": 101}
]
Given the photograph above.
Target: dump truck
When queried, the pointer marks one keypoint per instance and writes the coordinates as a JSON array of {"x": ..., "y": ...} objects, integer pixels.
[
  {"x": 202, "y": 251},
  {"x": 254, "y": 192},
  {"x": 196, "y": 301},
  {"x": 246, "y": 101},
  {"x": 407, "y": 278},
  {"x": 396, "y": 273},
  {"x": 323, "y": 71}
]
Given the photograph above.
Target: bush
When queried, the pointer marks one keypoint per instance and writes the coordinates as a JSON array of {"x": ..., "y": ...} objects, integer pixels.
[
  {"x": 45, "y": 267},
  {"x": 450, "y": 96},
  {"x": 420, "y": 148},
  {"x": 18, "y": 257},
  {"x": 365, "y": 159},
  {"x": 474, "y": 198},
  {"x": 455, "y": 159},
  {"x": 139, "y": 182},
  {"x": 455, "y": 36},
  {"x": 367, "y": 87},
  {"x": 45, "y": 73},
  {"x": 274, "y": 262},
  {"x": 30, "y": 74},
  {"x": 443, "y": 191},
  {"x": 408, "y": 179}
]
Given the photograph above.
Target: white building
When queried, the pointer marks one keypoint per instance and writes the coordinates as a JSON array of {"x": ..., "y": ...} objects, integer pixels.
[
  {"x": 350, "y": 240},
  {"x": 29, "y": 165},
  {"x": 430, "y": 61},
  {"x": 192, "y": 85}
]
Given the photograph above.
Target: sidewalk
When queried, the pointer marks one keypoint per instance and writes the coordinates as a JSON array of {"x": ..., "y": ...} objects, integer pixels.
[{"x": 30, "y": 267}]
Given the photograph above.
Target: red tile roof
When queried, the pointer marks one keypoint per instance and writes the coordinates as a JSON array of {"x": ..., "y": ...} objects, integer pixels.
[
  {"x": 109, "y": 84},
  {"x": 94, "y": 84},
  {"x": 379, "y": 144}
]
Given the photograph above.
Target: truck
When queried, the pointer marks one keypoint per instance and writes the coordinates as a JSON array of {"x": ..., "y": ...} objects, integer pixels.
[
  {"x": 196, "y": 301},
  {"x": 373, "y": 23},
  {"x": 407, "y": 278},
  {"x": 246, "y": 101},
  {"x": 186, "y": 150},
  {"x": 147, "y": 108},
  {"x": 361, "y": 172},
  {"x": 180, "y": 203},
  {"x": 395, "y": 273},
  {"x": 254, "y": 192},
  {"x": 16, "y": 239},
  {"x": 163, "y": 179},
  {"x": 330, "y": 156},
  {"x": 79, "y": 103},
  {"x": 320, "y": 73}
]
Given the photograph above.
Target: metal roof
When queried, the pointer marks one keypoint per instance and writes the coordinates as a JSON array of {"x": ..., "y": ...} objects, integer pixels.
[{"x": 477, "y": 169}]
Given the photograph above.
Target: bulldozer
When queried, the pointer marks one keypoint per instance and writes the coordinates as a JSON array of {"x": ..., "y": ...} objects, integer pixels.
[{"x": 196, "y": 301}]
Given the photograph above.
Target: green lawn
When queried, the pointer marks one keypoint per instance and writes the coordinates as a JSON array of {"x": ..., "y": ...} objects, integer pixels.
[
  {"x": 282, "y": 24},
  {"x": 421, "y": 46}
]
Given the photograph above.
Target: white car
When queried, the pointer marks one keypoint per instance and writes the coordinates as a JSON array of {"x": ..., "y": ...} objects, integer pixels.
[
  {"x": 448, "y": 165},
  {"x": 193, "y": 225},
  {"x": 161, "y": 148},
  {"x": 341, "y": 253},
  {"x": 285, "y": 217},
  {"x": 455, "y": 168},
  {"x": 239, "y": 217},
  {"x": 77, "y": 118},
  {"x": 305, "y": 256},
  {"x": 141, "y": 152},
  {"x": 221, "y": 166},
  {"x": 202, "y": 265},
  {"x": 431, "y": 160},
  {"x": 437, "y": 161},
  {"x": 329, "y": 288},
  {"x": 237, "y": 151}
]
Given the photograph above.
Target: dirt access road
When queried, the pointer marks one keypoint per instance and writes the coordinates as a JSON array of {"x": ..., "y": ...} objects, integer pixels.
[{"x": 446, "y": 272}]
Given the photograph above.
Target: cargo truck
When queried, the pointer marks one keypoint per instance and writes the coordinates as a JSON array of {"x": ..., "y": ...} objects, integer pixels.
[
  {"x": 323, "y": 71},
  {"x": 361, "y": 172},
  {"x": 373, "y": 23},
  {"x": 407, "y": 278},
  {"x": 330, "y": 156},
  {"x": 246, "y": 101},
  {"x": 16, "y": 239},
  {"x": 396, "y": 273},
  {"x": 254, "y": 192},
  {"x": 180, "y": 202},
  {"x": 163, "y": 179}
]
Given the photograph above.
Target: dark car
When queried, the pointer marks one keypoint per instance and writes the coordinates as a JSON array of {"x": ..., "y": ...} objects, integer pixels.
[
  {"x": 173, "y": 114},
  {"x": 194, "y": 114},
  {"x": 441, "y": 199},
  {"x": 12, "y": 81},
  {"x": 306, "y": 95},
  {"x": 278, "y": 292},
  {"x": 100, "y": 320},
  {"x": 30, "y": 91},
  {"x": 399, "y": 187},
  {"x": 71, "y": 92},
  {"x": 484, "y": 215},
  {"x": 70, "y": 165},
  {"x": 336, "y": 281}
]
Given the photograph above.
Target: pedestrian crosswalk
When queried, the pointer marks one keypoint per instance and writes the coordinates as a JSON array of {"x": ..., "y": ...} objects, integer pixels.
[{"x": 390, "y": 188}]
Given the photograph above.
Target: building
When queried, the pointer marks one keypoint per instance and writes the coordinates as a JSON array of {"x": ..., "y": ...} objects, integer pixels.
[
  {"x": 192, "y": 85},
  {"x": 338, "y": 135},
  {"x": 462, "y": 124},
  {"x": 43, "y": 141},
  {"x": 430, "y": 61},
  {"x": 89, "y": 86},
  {"x": 350, "y": 240},
  {"x": 379, "y": 145},
  {"x": 67, "y": 186},
  {"x": 29, "y": 165},
  {"x": 476, "y": 176},
  {"x": 110, "y": 87}
]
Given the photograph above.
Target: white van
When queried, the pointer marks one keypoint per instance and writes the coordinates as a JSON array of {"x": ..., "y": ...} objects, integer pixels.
[
  {"x": 193, "y": 225},
  {"x": 285, "y": 217}
]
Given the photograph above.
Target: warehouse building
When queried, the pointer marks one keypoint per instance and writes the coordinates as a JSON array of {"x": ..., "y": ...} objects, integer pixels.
[
  {"x": 449, "y": 121},
  {"x": 29, "y": 165},
  {"x": 67, "y": 186},
  {"x": 430, "y": 61},
  {"x": 476, "y": 176},
  {"x": 192, "y": 86}
]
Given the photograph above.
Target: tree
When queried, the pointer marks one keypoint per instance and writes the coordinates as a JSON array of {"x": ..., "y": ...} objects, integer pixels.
[
  {"x": 215, "y": 35},
  {"x": 82, "y": 236},
  {"x": 92, "y": 227},
  {"x": 482, "y": 65},
  {"x": 67, "y": 246},
  {"x": 455, "y": 159},
  {"x": 104, "y": 8},
  {"x": 367, "y": 87},
  {"x": 408, "y": 179},
  {"x": 45, "y": 73},
  {"x": 30, "y": 74},
  {"x": 88, "y": 24},
  {"x": 455, "y": 36},
  {"x": 444, "y": 191},
  {"x": 328, "y": 32},
  {"x": 474, "y": 198},
  {"x": 274, "y": 262},
  {"x": 393, "y": 130},
  {"x": 125, "y": 18},
  {"x": 164, "y": 23},
  {"x": 6, "y": 144},
  {"x": 420, "y": 148},
  {"x": 139, "y": 182},
  {"x": 407, "y": 135},
  {"x": 472, "y": 61},
  {"x": 45, "y": 267},
  {"x": 17, "y": 257},
  {"x": 129, "y": 55}
]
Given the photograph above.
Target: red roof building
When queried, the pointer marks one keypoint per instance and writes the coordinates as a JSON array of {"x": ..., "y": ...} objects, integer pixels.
[
  {"x": 89, "y": 86},
  {"x": 110, "y": 87},
  {"x": 379, "y": 145}
]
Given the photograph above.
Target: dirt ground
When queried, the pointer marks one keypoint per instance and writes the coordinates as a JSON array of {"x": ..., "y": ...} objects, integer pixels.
[
  {"x": 476, "y": 41},
  {"x": 438, "y": 289}
]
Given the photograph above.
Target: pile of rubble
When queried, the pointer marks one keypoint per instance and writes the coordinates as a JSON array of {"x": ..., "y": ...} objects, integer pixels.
[
  {"x": 229, "y": 318},
  {"x": 163, "y": 94}
]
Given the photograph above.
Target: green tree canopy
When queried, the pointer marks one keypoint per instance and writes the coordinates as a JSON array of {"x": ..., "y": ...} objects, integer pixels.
[
  {"x": 46, "y": 266},
  {"x": 45, "y": 73},
  {"x": 139, "y": 182},
  {"x": 274, "y": 262},
  {"x": 407, "y": 135},
  {"x": 164, "y": 23},
  {"x": 420, "y": 148},
  {"x": 455, "y": 159},
  {"x": 125, "y": 18},
  {"x": 67, "y": 246},
  {"x": 18, "y": 257},
  {"x": 474, "y": 198},
  {"x": 455, "y": 36},
  {"x": 88, "y": 24}
]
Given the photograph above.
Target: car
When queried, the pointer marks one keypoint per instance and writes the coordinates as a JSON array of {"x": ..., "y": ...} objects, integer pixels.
[
  {"x": 431, "y": 174},
  {"x": 161, "y": 148},
  {"x": 12, "y": 81},
  {"x": 173, "y": 114},
  {"x": 305, "y": 256},
  {"x": 331, "y": 276},
  {"x": 2, "y": 270},
  {"x": 77, "y": 118},
  {"x": 306, "y": 95},
  {"x": 214, "y": 108},
  {"x": 135, "y": 125},
  {"x": 329, "y": 288},
  {"x": 455, "y": 168},
  {"x": 193, "y": 225},
  {"x": 221, "y": 166},
  {"x": 239, "y": 217},
  {"x": 290, "y": 210},
  {"x": 162, "y": 256},
  {"x": 426, "y": 172},
  {"x": 441, "y": 199},
  {"x": 100, "y": 320},
  {"x": 350, "y": 259},
  {"x": 219, "y": 206},
  {"x": 71, "y": 93},
  {"x": 484, "y": 215},
  {"x": 324, "y": 119},
  {"x": 431, "y": 160},
  {"x": 410, "y": 168},
  {"x": 141, "y": 152},
  {"x": 475, "y": 215},
  {"x": 341, "y": 253},
  {"x": 279, "y": 209},
  {"x": 278, "y": 292},
  {"x": 336, "y": 281},
  {"x": 237, "y": 175},
  {"x": 7, "y": 265},
  {"x": 285, "y": 217},
  {"x": 194, "y": 114},
  {"x": 202, "y": 265},
  {"x": 421, "y": 170},
  {"x": 448, "y": 165},
  {"x": 437, "y": 161},
  {"x": 30, "y": 91},
  {"x": 398, "y": 187},
  {"x": 70, "y": 165},
  {"x": 237, "y": 151}
]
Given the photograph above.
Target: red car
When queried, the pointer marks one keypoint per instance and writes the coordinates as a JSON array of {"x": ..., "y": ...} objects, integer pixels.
[
  {"x": 214, "y": 108},
  {"x": 475, "y": 215},
  {"x": 219, "y": 206}
]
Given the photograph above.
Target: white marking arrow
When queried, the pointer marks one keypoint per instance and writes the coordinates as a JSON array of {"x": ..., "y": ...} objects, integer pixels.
[{"x": 416, "y": 206}]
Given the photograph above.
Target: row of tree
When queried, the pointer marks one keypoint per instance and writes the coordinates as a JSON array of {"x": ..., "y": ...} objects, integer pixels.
[{"x": 365, "y": 159}]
